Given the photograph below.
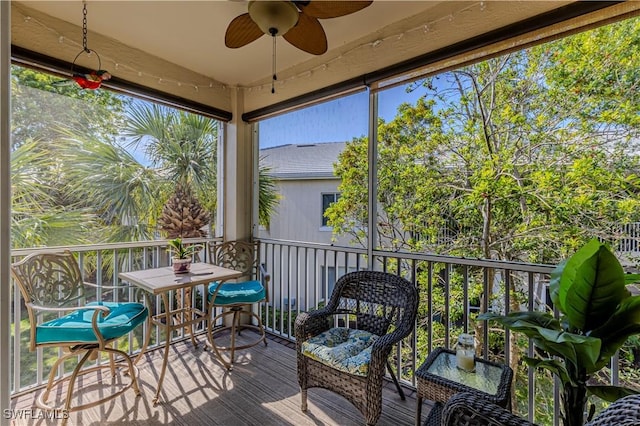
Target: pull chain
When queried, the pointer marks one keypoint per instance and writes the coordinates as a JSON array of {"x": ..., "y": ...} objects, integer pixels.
[
  {"x": 84, "y": 26},
  {"x": 273, "y": 69}
]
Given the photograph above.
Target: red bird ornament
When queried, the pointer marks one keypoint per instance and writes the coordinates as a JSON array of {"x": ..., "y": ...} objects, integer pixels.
[{"x": 93, "y": 80}]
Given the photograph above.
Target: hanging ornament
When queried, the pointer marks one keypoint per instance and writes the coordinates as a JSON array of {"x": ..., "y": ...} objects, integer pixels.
[{"x": 93, "y": 79}]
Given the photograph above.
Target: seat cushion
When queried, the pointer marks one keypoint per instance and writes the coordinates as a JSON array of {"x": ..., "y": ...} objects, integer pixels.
[
  {"x": 244, "y": 292},
  {"x": 344, "y": 349},
  {"x": 76, "y": 326}
]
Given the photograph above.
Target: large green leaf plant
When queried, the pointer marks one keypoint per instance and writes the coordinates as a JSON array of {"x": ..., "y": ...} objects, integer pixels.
[{"x": 597, "y": 315}]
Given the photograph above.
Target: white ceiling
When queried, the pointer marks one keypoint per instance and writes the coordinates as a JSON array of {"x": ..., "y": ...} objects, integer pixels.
[
  {"x": 191, "y": 33},
  {"x": 177, "y": 47}
]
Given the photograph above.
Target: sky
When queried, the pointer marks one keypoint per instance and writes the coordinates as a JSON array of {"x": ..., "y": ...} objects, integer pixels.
[{"x": 339, "y": 120}]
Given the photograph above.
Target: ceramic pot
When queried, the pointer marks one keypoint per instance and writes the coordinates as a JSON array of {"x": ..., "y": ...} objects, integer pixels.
[{"x": 181, "y": 266}]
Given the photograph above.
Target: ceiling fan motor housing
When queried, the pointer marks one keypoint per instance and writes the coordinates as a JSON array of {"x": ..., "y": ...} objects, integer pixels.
[{"x": 274, "y": 17}]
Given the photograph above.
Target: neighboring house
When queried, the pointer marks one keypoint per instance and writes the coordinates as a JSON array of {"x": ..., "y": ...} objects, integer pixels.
[
  {"x": 306, "y": 183},
  {"x": 307, "y": 186}
]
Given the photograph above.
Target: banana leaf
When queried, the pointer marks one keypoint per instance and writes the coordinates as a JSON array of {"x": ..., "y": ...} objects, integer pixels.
[
  {"x": 582, "y": 351},
  {"x": 623, "y": 323},
  {"x": 554, "y": 366},
  {"x": 611, "y": 393},
  {"x": 589, "y": 286}
]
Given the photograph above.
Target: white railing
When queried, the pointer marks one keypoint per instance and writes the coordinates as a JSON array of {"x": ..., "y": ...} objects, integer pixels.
[{"x": 302, "y": 276}]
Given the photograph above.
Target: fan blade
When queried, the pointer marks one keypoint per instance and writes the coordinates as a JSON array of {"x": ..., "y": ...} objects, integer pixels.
[
  {"x": 241, "y": 31},
  {"x": 308, "y": 35},
  {"x": 330, "y": 9}
]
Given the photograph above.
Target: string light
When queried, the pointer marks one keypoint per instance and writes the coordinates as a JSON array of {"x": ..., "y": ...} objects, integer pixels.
[
  {"x": 423, "y": 28},
  {"x": 122, "y": 68}
]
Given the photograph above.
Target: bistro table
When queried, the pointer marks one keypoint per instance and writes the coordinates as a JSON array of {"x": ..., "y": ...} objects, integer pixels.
[
  {"x": 161, "y": 281},
  {"x": 439, "y": 378}
]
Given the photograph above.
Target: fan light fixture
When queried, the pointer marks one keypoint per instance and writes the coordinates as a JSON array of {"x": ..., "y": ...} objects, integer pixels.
[
  {"x": 274, "y": 17},
  {"x": 295, "y": 20}
]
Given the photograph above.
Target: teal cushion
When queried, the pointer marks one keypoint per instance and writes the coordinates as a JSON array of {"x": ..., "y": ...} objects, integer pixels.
[
  {"x": 234, "y": 293},
  {"x": 344, "y": 349},
  {"x": 76, "y": 326}
]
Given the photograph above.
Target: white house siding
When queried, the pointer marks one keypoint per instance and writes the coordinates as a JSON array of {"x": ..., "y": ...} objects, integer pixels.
[
  {"x": 298, "y": 216},
  {"x": 302, "y": 174}
]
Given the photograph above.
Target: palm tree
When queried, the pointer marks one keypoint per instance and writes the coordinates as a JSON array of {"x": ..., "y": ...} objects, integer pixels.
[
  {"x": 122, "y": 193},
  {"x": 268, "y": 196},
  {"x": 182, "y": 147},
  {"x": 44, "y": 212},
  {"x": 89, "y": 187},
  {"x": 37, "y": 216}
]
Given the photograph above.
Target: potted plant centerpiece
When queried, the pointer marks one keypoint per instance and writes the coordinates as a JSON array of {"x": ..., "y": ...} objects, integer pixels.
[
  {"x": 182, "y": 255},
  {"x": 597, "y": 315}
]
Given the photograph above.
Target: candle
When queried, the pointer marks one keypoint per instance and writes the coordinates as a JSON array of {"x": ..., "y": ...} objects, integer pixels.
[
  {"x": 465, "y": 361},
  {"x": 465, "y": 352}
]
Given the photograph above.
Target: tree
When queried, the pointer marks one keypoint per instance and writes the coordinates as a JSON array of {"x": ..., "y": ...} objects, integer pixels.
[
  {"x": 493, "y": 152},
  {"x": 268, "y": 196},
  {"x": 44, "y": 213},
  {"x": 123, "y": 194},
  {"x": 183, "y": 148},
  {"x": 41, "y": 104},
  {"x": 174, "y": 193}
]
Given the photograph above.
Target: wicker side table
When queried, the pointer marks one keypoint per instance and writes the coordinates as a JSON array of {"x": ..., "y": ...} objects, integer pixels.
[{"x": 438, "y": 379}]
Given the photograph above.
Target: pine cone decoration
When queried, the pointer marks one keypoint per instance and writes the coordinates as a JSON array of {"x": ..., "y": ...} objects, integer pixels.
[{"x": 183, "y": 216}]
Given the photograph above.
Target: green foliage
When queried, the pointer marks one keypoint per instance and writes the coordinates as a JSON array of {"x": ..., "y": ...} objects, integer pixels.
[
  {"x": 598, "y": 314},
  {"x": 280, "y": 320},
  {"x": 45, "y": 209},
  {"x": 181, "y": 147},
  {"x": 268, "y": 196},
  {"x": 41, "y": 104},
  {"x": 181, "y": 250},
  {"x": 497, "y": 160},
  {"x": 74, "y": 181}
]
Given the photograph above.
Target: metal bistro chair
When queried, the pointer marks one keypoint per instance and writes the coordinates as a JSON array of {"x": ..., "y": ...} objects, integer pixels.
[
  {"x": 344, "y": 346},
  {"x": 55, "y": 297},
  {"x": 237, "y": 298}
]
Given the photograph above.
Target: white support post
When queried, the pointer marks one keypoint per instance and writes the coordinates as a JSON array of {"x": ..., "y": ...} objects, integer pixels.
[
  {"x": 238, "y": 173},
  {"x": 5, "y": 204}
]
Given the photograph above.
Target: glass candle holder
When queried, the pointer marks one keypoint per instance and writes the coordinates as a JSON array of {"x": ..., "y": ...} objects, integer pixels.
[{"x": 465, "y": 352}]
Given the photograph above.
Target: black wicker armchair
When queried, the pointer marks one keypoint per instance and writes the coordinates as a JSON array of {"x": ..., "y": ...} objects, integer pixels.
[
  {"x": 379, "y": 306},
  {"x": 469, "y": 409},
  {"x": 623, "y": 412}
]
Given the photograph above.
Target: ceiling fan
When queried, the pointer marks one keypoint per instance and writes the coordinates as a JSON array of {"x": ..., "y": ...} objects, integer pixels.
[{"x": 296, "y": 21}]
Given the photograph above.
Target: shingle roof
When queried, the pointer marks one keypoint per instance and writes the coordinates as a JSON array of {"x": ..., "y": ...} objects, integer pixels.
[{"x": 302, "y": 160}]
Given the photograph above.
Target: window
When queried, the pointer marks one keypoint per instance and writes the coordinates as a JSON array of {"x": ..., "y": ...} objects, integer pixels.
[{"x": 327, "y": 200}]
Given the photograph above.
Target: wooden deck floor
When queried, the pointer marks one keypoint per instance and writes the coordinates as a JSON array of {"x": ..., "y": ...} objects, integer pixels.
[{"x": 261, "y": 390}]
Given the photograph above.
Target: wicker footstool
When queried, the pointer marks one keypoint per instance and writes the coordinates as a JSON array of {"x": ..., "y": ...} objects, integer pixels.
[{"x": 438, "y": 379}]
